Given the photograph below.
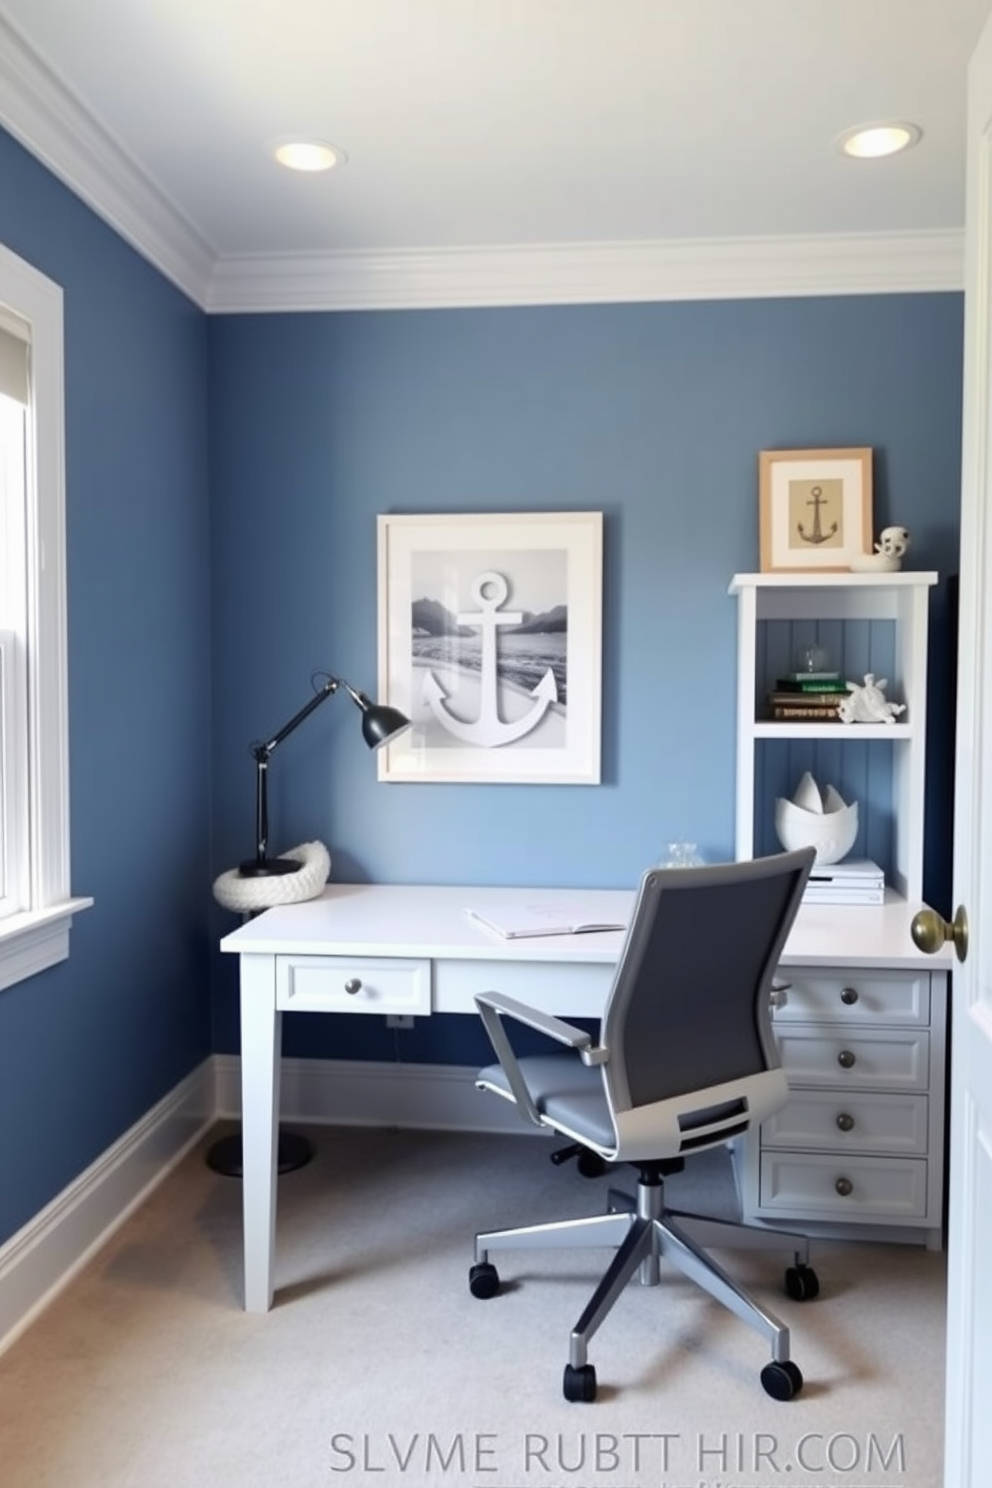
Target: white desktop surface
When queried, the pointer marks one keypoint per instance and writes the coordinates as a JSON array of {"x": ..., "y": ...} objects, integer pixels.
[
  {"x": 430, "y": 920},
  {"x": 425, "y": 926}
]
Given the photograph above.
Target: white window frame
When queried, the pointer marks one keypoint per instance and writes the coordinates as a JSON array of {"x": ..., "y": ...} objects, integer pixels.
[{"x": 37, "y": 936}]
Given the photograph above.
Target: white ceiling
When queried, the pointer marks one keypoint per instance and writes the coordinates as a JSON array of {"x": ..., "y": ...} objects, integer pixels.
[{"x": 551, "y": 145}]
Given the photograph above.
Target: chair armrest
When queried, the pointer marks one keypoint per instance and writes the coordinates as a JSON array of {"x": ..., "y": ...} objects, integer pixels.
[
  {"x": 546, "y": 1023},
  {"x": 493, "y": 1006},
  {"x": 522, "y": 1012}
]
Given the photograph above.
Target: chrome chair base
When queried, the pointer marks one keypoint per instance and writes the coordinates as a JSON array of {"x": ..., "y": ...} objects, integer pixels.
[{"x": 643, "y": 1231}]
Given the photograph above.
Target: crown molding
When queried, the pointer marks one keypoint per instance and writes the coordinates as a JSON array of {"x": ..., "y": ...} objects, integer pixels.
[
  {"x": 40, "y": 112},
  {"x": 593, "y": 273},
  {"x": 43, "y": 115}
]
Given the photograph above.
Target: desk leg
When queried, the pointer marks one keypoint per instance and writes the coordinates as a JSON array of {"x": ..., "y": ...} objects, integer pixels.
[{"x": 261, "y": 1030}]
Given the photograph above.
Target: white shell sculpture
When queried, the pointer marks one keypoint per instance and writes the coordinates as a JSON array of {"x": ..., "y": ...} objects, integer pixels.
[
  {"x": 817, "y": 819},
  {"x": 868, "y": 704}
]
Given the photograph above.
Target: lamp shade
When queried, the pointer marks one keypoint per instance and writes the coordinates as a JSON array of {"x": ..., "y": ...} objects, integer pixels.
[{"x": 380, "y": 722}]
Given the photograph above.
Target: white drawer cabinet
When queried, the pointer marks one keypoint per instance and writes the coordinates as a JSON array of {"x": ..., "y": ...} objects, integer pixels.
[{"x": 858, "y": 1149}]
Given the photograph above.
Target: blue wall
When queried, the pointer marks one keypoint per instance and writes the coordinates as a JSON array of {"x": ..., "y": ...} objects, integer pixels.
[
  {"x": 653, "y": 414},
  {"x": 223, "y": 479},
  {"x": 88, "y": 1047}
]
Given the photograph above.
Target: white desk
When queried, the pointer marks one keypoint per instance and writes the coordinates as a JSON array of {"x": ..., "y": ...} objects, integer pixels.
[{"x": 376, "y": 949}]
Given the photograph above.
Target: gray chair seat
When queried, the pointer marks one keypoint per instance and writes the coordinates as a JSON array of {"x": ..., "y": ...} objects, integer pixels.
[{"x": 569, "y": 1094}]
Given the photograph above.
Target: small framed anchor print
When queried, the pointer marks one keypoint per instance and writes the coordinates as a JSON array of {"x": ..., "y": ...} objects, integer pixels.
[
  {"x": 815, "y": 509},
  {"x": 490, "y": 641}
]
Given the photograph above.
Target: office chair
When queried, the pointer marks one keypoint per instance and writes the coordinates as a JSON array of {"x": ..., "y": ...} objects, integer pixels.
[{"x": 686, "y": 1061}]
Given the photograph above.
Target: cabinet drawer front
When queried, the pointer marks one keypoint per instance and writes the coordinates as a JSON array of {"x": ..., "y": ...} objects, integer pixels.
[
  {"x": 361, "y": 984},
  {"x": 886, "y": 1059},
  {"x": 854, "y": 997},
  {"x": 857, "y": 1189},
  {"x": 854, "y": 1122}
]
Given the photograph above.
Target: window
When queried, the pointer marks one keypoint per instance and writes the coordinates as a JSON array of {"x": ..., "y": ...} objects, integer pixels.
[{"x": 35, "y": 904}]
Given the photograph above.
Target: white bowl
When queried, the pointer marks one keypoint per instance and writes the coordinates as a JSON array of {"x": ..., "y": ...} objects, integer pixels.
[{"x": 832, "y": 833}]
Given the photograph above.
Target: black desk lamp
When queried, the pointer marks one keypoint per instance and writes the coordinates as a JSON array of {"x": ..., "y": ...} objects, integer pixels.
[{"x": 380, "y": 724}]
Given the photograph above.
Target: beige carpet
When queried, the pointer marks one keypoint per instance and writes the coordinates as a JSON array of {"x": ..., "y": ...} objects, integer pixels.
[{"x": 376, "y": 1366}]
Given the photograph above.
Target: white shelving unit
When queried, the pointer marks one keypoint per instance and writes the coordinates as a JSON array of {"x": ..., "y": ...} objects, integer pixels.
[
  {"x": 866, "y": 623},
  {"x": 858, "y": 1150}
]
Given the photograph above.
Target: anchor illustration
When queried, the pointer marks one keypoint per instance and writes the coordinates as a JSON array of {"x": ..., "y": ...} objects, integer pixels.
[
  {"x": 816, "y": 500},
  {"x": 489, "y": 591}
]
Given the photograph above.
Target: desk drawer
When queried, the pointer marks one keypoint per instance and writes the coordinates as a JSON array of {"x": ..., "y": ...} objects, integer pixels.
[
  {"x": 865, "y": 1189},
  {"x": 569, "y": 990},
  {"x": 854, "y": 996},
  {"x": 883, "y": 1058},
  {"x": 362, "y": 984},
  {"x": 852, "y": 1121}
]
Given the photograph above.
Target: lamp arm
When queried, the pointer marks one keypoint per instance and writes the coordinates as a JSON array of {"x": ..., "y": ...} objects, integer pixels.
[
  {"x": 330, "y": 686},
  {"x": 262, "y": 752}
]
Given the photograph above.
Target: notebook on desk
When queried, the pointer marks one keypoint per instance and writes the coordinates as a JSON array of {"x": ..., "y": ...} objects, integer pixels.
[{"x": 518, "y": 921}]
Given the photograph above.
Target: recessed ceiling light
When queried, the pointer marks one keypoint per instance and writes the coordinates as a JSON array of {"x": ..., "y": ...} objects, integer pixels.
[
  {"x": 308, "y": 155},
  {"x": 872, "y": 141}
]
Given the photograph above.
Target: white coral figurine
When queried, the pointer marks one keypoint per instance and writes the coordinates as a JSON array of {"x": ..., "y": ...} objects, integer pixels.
[
  {"x": 868, "y": 704},
  {"x": 891, "y": 548}
]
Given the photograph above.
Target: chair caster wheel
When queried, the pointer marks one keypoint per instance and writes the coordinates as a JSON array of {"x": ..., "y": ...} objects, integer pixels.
[
  {"x": 579, "y": 1384},
  {"x": 781, "y": 1380},
  {"x": 801, "y": 1283},
  {"x": 483, "y": 1280}
]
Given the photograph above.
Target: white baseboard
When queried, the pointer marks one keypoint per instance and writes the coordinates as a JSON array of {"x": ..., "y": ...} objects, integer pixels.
[
  {"x": 37, "y": 1262},
  {"x": 360, "y": 1092}
]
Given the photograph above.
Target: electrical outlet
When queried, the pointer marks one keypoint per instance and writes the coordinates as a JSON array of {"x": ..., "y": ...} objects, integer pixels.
[{"x": 399, "y": 1020}]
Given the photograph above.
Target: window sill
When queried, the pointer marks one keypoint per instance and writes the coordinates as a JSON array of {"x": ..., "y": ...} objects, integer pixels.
[{"x": 35, "y": 940}]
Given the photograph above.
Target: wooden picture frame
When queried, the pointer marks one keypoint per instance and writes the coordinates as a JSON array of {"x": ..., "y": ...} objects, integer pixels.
[
  {"x": 490, "y": 641},
  {"x": 815, "y": 509}
]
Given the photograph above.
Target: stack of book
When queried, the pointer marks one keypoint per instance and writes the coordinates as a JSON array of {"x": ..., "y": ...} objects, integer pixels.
[
  {"x": 807, "y": 696},
  {"x": 853, "y": 881}
]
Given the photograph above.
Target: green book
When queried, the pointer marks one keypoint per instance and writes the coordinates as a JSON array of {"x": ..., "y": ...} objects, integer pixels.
[{"x": 812, "y": 682}]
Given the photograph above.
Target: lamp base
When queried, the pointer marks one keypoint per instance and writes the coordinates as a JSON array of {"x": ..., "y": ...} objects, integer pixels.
[
  {"x": 226, "y": 1156},
  {"x": 268, "y": 867}
]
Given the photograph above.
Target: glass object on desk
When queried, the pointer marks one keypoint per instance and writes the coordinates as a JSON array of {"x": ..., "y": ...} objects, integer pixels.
[{"x": 680, "y": 855}]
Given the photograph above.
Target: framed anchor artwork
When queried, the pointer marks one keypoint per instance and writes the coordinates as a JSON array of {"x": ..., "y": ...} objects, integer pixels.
[
  {"x": 815, "y": 509},
  {"x": 490, "y": 641}
]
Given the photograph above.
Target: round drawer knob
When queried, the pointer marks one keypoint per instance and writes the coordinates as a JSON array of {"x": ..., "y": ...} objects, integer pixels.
[
  {"x": 353, "y": 986},
  {"x": 844, "y": 1187},
  {"x": 845, "y": 1122},
  {"x": 849, "y": 995},
  {"x": 845, "y": 1059}
]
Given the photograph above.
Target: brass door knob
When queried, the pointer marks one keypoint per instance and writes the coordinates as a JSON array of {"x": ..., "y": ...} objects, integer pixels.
[{"x": 930, "y": 931}]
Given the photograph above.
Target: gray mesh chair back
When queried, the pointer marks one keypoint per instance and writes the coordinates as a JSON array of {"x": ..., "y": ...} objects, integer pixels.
[{"x": 689, "y": 1010}]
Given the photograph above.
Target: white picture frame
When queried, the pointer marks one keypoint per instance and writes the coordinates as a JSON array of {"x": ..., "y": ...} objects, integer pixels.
[{"x": 490, "y": 641}]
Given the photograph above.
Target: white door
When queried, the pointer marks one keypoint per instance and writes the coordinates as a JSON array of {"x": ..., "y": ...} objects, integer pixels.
[{"x": 968, "y": 1449}]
